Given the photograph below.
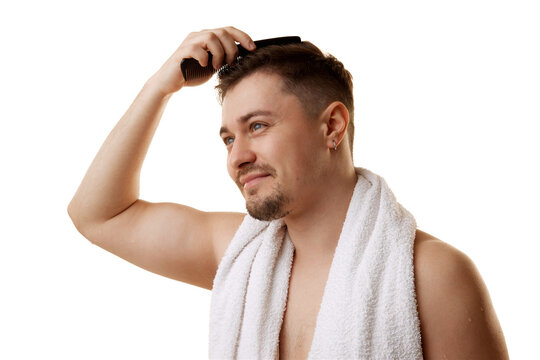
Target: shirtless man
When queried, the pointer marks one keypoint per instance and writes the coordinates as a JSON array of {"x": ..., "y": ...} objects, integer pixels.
[{"x": 455, "y": 311}]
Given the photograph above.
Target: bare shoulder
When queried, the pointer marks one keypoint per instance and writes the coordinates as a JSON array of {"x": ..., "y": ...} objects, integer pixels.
[
  {"x": 224, "y": 226},
  {"x": 457, "y": 318}
]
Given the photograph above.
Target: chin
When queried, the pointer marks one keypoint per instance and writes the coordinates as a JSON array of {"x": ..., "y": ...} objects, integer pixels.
[
  {"x": 272, "y": 207},
  {"x": 266, "y": 217}
]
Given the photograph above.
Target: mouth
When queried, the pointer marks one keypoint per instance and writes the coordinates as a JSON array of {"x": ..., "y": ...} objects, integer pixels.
[{"x": 251, "y": 180}]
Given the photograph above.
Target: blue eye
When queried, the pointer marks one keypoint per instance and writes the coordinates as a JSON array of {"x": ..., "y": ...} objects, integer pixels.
[
  {"x": 256, "y": 126},
  {"x": 228, "y": 140}
]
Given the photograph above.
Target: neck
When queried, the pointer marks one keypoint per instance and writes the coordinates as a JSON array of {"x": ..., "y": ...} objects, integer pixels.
[{"x": 315, "y": 228}]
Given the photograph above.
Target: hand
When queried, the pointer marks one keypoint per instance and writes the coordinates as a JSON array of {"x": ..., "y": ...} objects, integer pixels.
[{"x": 220, "y": 42}]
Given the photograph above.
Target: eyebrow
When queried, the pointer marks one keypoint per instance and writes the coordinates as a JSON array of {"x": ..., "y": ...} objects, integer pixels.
[{"x": 246, "y": 117}]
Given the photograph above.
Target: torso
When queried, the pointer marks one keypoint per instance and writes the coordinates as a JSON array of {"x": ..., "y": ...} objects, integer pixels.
[{"x": 306, "y": 288}]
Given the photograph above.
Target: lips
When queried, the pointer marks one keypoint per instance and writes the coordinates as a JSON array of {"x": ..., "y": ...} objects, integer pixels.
[{"x": 252, "y": 179}]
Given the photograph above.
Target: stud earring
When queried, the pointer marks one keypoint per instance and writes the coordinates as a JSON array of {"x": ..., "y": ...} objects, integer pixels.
[{"x": 335, "y": 145}]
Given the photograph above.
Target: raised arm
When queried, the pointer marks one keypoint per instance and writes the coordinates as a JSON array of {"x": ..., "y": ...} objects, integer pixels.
[{"x": 169, "y": 239}]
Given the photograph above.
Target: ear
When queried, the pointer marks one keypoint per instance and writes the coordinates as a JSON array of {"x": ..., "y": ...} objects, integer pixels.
[{"x": 336, "y": 119}]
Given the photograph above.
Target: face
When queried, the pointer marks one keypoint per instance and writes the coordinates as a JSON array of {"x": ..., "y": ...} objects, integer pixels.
[{"x": 272, "y": 146}]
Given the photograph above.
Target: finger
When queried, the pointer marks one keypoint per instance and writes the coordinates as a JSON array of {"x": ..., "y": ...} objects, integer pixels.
[
  {"x": 228, "y": 44},
  {"x": 240, "y": 36},
  {"x": 199, "y": 54},
  {"x": 213, "y": 44}
]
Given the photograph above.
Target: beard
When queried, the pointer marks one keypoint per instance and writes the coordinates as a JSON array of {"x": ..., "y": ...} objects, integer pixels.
[{"x": 272, "y": 207}]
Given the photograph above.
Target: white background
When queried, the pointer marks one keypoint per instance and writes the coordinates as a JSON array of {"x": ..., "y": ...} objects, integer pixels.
[{"x": 447, "y": 105}]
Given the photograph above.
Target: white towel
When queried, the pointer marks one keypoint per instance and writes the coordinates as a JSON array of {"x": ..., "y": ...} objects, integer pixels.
[{"x": 368, "y": 309}]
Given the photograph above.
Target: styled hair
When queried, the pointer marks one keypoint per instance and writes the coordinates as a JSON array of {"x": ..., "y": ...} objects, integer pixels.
[{"x": 315, "y": 78}]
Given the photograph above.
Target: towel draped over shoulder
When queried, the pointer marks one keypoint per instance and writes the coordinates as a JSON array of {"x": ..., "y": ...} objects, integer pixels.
[{"x": 368, "y": 309}]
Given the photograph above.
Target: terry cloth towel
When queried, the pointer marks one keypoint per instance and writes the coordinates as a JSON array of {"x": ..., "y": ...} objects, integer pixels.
[{"x": 368, "y": 309}]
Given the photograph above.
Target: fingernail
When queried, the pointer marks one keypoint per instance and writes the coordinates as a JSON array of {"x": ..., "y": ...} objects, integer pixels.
[{"x": 252, "y": 45}]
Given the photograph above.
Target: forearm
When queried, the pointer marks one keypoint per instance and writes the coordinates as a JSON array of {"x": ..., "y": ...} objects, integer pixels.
[{"x": 111, "y": 183}]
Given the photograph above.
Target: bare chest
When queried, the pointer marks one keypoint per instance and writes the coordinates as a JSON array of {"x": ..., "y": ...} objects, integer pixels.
[{"x": 306, "y": 288}]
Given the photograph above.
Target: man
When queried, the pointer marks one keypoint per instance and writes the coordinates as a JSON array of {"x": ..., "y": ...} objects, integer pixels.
[{"x": 289, "y": 149}]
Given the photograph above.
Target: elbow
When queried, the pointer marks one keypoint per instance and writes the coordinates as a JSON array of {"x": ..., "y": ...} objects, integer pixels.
[
  {"x": 77, "y": 219},
  {"x": 86, "y": 224},
  {"x": 73, "y": 213}
]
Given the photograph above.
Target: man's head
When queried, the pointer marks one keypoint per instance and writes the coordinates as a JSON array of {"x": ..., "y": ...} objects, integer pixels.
[
  {"x": 283, "y": 109},
  {"x": 314, "y": 78}
]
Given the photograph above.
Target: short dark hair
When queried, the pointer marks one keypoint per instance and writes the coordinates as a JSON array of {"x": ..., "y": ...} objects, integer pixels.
[{"x": 315, "y": 78}]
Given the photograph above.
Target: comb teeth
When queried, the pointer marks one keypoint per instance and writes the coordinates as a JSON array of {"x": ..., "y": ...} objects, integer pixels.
[{"x": 192, "y": 70}]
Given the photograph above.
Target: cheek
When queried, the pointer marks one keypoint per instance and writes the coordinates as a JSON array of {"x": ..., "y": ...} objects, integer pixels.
[
  {"x": 309, "y": 160},
  {"x": 296, "y": 159},
  {"x": 270, "y": 149}
]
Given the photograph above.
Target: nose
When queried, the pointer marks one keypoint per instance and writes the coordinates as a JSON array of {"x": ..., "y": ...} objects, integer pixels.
[{"x": 241, "y": 154}]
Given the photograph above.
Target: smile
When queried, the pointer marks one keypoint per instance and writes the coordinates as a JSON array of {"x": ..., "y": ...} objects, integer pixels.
[{"x": 252, "y": 180}]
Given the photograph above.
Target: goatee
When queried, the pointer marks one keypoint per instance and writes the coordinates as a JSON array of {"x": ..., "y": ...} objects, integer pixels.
[{"x": 270, "y": 208}]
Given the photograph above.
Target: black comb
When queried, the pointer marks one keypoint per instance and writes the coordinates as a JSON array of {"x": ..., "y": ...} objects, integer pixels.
[{"x": 191, "y": 69}]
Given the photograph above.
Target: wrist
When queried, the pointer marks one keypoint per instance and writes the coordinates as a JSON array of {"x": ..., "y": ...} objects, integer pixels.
[
  {"x": 153, "y": 92},
  {"x": 156, "y": 86}
]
